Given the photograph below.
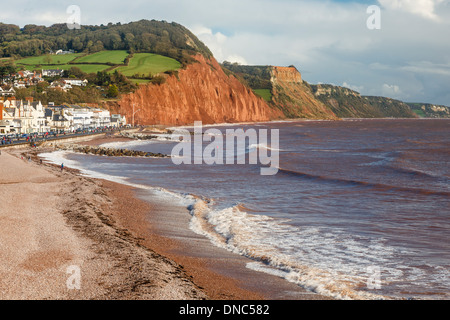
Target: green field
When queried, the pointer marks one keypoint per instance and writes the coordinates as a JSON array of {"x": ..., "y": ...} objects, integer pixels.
[
  {"x": 140, "y": 81},
  {"x": 142, "y": 64},
  {"x": 148, "y": 63},
  {"x": 266, "y": 94},
  {"x": 419, "y": 112},
  {"x": 54, "y": 59},
  {"x": 114, "y": 57}
]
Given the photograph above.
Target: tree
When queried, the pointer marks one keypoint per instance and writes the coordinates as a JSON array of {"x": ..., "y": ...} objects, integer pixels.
[
  {"x": 48, "y": 59},
  {"x": 113, "y": 91},
  {"x": 76, "y": 72},
  {"x": 6, "y": 69},
  {"x": 77, "y": 45},
  {"x": 103, "y": 78}
]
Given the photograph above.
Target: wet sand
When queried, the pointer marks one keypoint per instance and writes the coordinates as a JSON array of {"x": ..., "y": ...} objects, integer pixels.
[{"x": 52, "y": 220}]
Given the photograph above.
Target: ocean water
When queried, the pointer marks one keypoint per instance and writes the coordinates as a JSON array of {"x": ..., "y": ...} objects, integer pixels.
[{"x": 359, "y": 209}]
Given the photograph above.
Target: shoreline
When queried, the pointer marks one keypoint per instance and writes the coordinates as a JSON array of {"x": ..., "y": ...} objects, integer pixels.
[
  {"x": 64, "y": 220},
  {"x": 128, "y": 241},
  {"x": 222, "y": 274}
]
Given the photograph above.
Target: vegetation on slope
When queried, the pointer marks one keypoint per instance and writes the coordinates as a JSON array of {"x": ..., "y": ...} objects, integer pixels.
[
  {"x": 159, "y": 37},
  {"x": 144, "y": 65},
  {"x": 427, "y": 110},
  {"x": 347, "y": 103}
]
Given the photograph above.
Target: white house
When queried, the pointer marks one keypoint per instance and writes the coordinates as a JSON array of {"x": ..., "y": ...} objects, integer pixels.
[
  {"x": 118, "y": 120},
  {"x": 52, "y": 72},
  {"x": 76, "y": 82},
  {"x": 61, "y": 85},
  {"x": 7, "y": 92},
  {"x": 101, "y": 118},
  {"x": 78, "y": 117},
  {"x": 39, "y": 123},
  {"x": 24, "y": 117}
]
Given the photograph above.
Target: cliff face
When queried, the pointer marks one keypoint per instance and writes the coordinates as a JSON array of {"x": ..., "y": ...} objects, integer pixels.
[
  {"x": 294, "y": 97},
  {"x": 285, "y": 74},
  {"x": 200, "y": 92}
]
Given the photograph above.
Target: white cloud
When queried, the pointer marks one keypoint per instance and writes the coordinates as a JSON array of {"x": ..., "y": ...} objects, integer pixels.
[
  {"x": 424, "y": 8},
  {"x": 217, "y": 43},
  {"x": 353, "y": 87},
  {"x": 426, "y": 67},
  {"x": 391, "y": 91}
]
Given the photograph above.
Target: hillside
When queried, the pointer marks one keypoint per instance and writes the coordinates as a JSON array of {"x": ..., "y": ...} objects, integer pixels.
[
  {"x": 200, "y": 92},
  {"x": 182, "y": 81},
  {"x": 138, "y": 67},
  {"x": 159, "y": 37},
  {"x": 283, "y": 89},
  {"x": 427, "y": 110},
  {"x": 346, "y": 103}
]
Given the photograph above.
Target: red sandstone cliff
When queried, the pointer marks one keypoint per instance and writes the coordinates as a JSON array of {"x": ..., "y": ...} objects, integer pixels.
[{"x": 201, "y": 92}]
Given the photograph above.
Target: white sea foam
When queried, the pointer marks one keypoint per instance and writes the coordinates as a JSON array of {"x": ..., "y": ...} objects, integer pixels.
[
  {"x": 263, "y": 146},
  {"x": 126, "y": 144},
  {"x": 328, "y": 263}
]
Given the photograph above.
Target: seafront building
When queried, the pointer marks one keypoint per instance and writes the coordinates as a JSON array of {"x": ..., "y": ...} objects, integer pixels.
[
  {"x": 22, "y": 117},
  {"x": 26, "y": 117}
]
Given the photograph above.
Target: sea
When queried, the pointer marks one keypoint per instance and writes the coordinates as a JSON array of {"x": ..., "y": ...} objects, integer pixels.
[{"x": 358, "y": 209}]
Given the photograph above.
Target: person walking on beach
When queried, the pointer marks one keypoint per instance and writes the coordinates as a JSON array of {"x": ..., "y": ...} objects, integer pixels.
[{"x": 62, "y": 167}]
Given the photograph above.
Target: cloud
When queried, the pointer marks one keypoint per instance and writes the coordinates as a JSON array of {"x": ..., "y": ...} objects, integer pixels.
[
  {"x": 217, "y": 43},
  {"x": 392, "y": 91},
  {"x": 424, "y": 8},
  {"x": 353, "y": 87},
  {"x": 427, "y": 67}
]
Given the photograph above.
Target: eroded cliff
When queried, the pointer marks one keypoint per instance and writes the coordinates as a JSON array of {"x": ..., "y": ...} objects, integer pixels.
[
  {"x": 200, "y": 92},
  {"x": 294, "y": 97}
]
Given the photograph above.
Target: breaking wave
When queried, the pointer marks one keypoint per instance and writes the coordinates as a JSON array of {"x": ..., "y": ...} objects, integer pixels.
[{"x": 324, "y": 262}]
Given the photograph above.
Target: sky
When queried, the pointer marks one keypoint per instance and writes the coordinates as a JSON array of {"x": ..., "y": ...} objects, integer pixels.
[{"x": 393, "y": 48}]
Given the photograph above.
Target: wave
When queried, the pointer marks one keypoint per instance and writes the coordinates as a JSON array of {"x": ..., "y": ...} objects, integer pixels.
[
  {"x": 284, "y": 250},
  {"x": 372, "y": 185},
  {"x": 418, "y": 173},
  {"x": 126, "y": 144},
  {"x": 262, "y": 146}
]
